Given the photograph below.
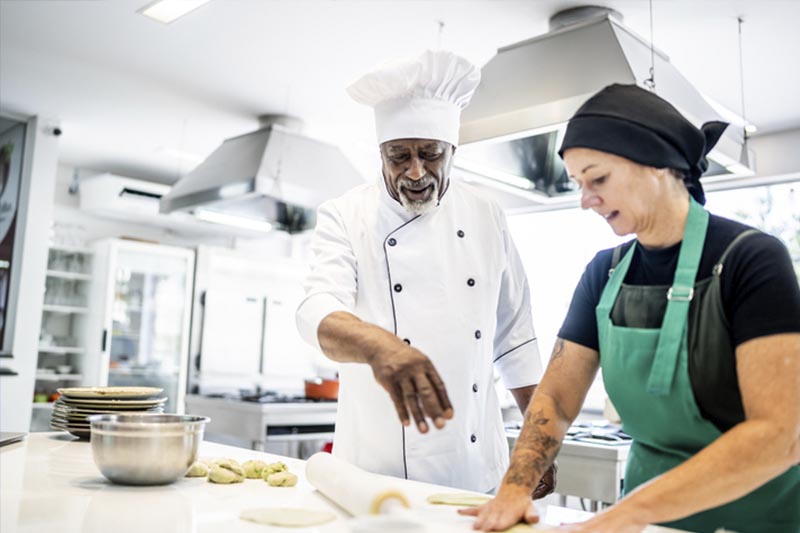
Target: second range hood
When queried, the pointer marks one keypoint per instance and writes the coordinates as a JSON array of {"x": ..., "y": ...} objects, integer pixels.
[
  {"x": 513, "y": 127},
  {"x": 274, "y": 176}
]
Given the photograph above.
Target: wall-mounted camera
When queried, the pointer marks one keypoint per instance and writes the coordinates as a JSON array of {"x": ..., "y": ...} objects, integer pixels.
[{"x": 53, "y": 128}]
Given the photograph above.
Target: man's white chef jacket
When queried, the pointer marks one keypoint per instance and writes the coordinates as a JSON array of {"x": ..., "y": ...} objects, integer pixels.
[{"x": 451, "y": 284}]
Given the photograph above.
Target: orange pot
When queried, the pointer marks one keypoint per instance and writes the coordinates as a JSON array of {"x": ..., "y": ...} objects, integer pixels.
[{"x": 322, "y": 389}]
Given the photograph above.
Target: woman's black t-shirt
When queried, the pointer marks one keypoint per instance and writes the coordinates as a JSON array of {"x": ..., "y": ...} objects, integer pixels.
[{"x": 760, "y": 296}]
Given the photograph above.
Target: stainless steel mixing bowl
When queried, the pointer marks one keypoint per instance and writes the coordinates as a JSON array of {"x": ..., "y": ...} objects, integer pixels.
[{"x": 145, "y": 448}]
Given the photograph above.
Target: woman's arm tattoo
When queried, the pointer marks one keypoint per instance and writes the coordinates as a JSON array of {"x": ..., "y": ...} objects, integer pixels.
[
  {"x": 558, "y": 349},
  {"x": 535, "y": 450}
]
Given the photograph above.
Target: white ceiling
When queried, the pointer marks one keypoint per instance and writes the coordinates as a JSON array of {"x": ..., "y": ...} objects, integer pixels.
[{"x": 123, "y": 87}]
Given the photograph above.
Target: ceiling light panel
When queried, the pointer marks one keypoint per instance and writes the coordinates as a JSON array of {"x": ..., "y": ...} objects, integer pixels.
[{"x": 166, "y": 11}]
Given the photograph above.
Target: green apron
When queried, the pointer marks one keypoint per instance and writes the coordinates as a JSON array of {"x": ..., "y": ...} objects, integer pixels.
[{"x": 645, "y": 372}]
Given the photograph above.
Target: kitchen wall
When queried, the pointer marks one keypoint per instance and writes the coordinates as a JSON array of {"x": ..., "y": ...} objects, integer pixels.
[
  {"x": 777, "y": 153},
  {"x": 555, "y": 247}
]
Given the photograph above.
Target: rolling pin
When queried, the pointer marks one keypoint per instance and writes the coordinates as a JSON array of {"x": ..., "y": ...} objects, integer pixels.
[{"x": 355, "y": 490}]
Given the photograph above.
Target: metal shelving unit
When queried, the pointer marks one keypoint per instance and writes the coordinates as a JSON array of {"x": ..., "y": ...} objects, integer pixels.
[{"x": 62, "y": 341}]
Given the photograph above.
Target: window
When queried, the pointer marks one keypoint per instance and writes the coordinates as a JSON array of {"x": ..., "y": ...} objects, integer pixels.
[{"x": 774, "y": 209}]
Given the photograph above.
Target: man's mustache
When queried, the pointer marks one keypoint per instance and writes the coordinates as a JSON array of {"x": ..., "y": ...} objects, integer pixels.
[{"x": 416, "y": 185}]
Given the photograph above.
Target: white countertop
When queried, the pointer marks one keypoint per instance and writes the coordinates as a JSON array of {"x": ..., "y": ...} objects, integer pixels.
[{"x": 49, "y": 483}]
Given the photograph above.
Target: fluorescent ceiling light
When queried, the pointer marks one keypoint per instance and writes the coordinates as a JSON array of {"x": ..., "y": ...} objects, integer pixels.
[
  {"x": 167, "y": 11},
  {"x": 233, "y": 220}
]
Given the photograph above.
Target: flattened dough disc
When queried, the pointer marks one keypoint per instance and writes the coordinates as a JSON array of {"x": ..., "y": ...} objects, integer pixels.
[
  {"x": 287, "y": 516},
  {"x": 462, "y": 499}
]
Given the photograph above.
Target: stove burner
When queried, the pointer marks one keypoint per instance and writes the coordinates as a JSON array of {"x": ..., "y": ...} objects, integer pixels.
[
  {"x": 267, "y": 397},
  {"x": 273, "y": 397},
  {"x": 598, "y": 433}
]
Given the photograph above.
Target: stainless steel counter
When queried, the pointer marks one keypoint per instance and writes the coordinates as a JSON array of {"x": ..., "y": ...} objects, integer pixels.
[{"x": 251, "y": 421}]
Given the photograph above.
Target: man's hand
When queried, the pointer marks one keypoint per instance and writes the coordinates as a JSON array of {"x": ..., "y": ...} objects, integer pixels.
[
  {"x": 511, "y": 505},
  {"x": 414, "y": 385},
  {"x": 406, "y": 373},
  {"x": 547, "y": 484}
]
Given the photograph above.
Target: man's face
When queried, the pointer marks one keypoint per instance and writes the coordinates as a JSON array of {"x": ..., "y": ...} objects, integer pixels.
[{"x": 417, "y": 171}]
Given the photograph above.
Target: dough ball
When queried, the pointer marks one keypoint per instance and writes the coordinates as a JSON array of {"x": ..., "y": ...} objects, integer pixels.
[
  {"x": 253, "y": 468},
  {"x": 226, "y": 472},
  {"x": 213, "y": 461},
  {"x": 287, "y": 517},
  {"x": 198, "y": 469},
  {"x": 463, "y": 499},
  {"x": 273, "y": 468},
  {"x": 282, "y": 479}
]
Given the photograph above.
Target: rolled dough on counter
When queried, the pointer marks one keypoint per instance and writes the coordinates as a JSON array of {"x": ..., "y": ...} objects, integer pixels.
[{"x": 287, "y": 516}]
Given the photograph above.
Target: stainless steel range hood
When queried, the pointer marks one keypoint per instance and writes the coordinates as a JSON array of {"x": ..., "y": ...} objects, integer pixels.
[
  {"x": 273, "y": 176},
  {"x": 512, "y": 129}
]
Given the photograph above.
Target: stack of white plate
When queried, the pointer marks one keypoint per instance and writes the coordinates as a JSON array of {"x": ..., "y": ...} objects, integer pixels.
[{"x": 75, "y": 404}]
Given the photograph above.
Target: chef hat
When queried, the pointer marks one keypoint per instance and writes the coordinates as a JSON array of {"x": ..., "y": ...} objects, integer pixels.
[{"x": 419, "y": 98}]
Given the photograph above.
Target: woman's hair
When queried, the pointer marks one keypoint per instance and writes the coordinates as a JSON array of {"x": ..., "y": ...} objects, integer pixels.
[
  {"x": 692, "y": 185},
  {"x": 678, "y": 173}
]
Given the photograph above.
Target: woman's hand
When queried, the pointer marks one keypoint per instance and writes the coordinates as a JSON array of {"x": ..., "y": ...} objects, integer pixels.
[{"x": 512, "y": 505}]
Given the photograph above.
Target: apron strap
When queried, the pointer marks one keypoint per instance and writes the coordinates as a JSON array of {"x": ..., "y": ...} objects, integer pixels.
[
  {"x": 616, "y": 276},
  {"x": 615, "y": 255},
  {"x": 680, "y": 295},
  {"x": 717, "y": 270}
]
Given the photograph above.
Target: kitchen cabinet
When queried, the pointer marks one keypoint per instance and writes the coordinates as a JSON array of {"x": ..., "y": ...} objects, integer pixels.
[
  {"x": 139, "y": 321},
  {"x": 62, "y": 339}
]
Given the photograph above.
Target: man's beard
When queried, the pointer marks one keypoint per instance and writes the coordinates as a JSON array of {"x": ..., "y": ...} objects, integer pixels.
[{"x": 418, "y": 207}]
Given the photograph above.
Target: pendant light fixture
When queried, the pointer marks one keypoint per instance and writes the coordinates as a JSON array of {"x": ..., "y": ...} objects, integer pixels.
[
  {"x": 747, "y": 128},
  {"x": 650, "y": 82}
]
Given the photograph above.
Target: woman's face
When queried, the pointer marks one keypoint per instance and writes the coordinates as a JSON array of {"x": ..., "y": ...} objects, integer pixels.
[{"x": 624, "y": 193}]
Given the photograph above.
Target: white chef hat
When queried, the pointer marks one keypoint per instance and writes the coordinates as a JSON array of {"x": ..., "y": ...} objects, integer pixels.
[{"x": 419, "y": 98}]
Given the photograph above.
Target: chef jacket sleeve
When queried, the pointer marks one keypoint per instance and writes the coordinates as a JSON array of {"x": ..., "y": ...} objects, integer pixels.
[
  {"x": 516, "y": 352},
  {"x": 331, "y": 284}
]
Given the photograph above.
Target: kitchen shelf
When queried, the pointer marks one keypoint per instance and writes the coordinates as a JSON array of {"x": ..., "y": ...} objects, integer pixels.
[
  {"x": 66, "y": 309},
  {"x": 61, "y": 274},
  {"x": 141, "y": 372},
  {"x": 43, "y": 405},
  {"x": 120, "y": 335},
  {"x": 63, "y": 350},
  {"x": 58, "y": 377},
  {"x": 71, "y": 249}
]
